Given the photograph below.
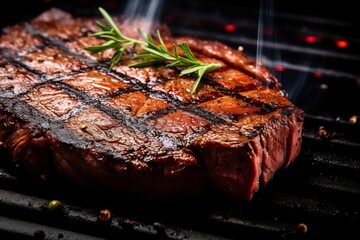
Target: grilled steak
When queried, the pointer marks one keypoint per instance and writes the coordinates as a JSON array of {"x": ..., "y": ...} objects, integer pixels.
[{"x": 139, "y": 131}]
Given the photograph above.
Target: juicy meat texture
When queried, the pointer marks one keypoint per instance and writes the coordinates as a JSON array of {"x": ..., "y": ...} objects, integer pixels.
[{"x": 139, "y": 131}]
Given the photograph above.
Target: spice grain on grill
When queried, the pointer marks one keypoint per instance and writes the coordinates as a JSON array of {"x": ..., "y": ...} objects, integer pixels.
[{"x": 112, "y": 138}]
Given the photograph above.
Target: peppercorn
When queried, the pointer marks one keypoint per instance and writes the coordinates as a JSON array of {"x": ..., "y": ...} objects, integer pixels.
[
  {"x": 104, "y": 215},
  {"x": 353, "y": 119},
  {"x": 301, "y": 228},
  {"x": 322, "y": 132},
  {"x": 54, "y": 205}
]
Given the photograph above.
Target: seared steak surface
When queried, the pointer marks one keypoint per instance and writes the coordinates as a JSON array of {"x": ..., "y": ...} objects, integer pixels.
[{"x": 139, "y": 131}]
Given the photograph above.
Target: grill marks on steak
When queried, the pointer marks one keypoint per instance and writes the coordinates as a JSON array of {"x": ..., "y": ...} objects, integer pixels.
[
  {"x": 52, "y": 101},
  {"x": 139, "y": 130},
  {"x": 17, "y": 40},
  {"x": 232, "y": 57},
  {"x": 15, "y": 79},
  {"x": 52, "y": 61}
]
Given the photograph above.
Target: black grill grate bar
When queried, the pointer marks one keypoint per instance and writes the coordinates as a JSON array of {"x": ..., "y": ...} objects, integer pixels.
[
  {"x": 326, "y": 165},
  {"x": 325, "y": 184},
  {"x": 17, "y": 229},
  {"x": 341, "y": 142},
  {"x": 33, "y": 209},
  {"x": 18, "y": 208},
  {"x": 337, "y": 162},
  {"x": 236, "y": 223},
  {"x": 344, "y": 127},
  {"x": 308, "y": 207},
  {"x": 284, "y": 212},
  {"x": 334, "y": 184},
  {"x": 331, "y": 131},
  {"x": 324, "y": 119}
]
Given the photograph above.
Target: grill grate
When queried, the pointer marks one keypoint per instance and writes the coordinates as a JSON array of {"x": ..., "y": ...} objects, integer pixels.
[{"x": 321, "y": 189}]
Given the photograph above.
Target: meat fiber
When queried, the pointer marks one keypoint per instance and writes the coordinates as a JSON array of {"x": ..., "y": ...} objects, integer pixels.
[{"x": 139, "y": 131}]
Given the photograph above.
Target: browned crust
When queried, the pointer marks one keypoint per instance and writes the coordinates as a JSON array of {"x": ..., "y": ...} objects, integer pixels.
[{"x": 133, "y": 129}]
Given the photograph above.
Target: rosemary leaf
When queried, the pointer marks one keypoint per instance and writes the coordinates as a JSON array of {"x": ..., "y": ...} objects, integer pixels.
[
  {"x": 153, "y": 53},
  {"x": 201, "y": 72},
  {"x": 116, "y": 58}
]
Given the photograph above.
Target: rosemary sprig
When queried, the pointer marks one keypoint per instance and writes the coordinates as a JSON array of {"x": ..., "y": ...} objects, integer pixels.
[{"x": 153, "y": 53}]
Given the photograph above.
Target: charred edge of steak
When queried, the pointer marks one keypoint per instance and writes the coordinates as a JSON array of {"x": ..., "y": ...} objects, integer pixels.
[
  {"x": 163, "y": 175},
  {"x": 170, "y": 175},
  {"x": 25, "y": 147},
  {"x": 239, "y": 159},
  {"x": 7, "y": 126},
  {"x": 23, "y": 111}
]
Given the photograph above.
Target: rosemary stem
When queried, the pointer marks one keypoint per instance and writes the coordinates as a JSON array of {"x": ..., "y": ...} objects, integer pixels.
[{"x": 152, "y": 53}]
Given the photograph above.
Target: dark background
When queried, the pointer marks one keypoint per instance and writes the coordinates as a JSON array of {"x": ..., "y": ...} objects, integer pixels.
[{"x": 335, "y": 10}]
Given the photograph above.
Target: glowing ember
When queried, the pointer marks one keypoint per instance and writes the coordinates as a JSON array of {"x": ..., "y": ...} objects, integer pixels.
[
  {"x": 317, "y": 74},
  {"x": 280, "y": 68},
  {"x": 230, "y": 27},
  {"x": 342, "y": 43},
  {"x": 312, "y": 39}
]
